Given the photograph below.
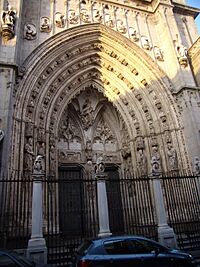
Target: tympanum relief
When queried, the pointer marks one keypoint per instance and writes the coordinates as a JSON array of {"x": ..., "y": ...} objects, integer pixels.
[{"x": 84, "y": 132}]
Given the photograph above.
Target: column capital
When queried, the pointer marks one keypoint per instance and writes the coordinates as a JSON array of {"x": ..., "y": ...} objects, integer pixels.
[{"x": 101, "y": 176}]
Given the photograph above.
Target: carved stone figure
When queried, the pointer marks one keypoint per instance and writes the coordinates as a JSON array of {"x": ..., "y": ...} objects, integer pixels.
[
  {"x": 100, "y": 166},
  {"x": 8, "y": 20},
  {"x": 145, "y": 43},
  {"x": 52, "y": 152},
  {"x": 30, "y": 32},
  {"x": 89, "y": 170},
  {"x": 182, "y": 55},
  {"x": 155, "y": 161},
  {"x": 38, "y": 167},
  {"x": 142, "y": 163},
  {"x": 87, "y": 114},
  {"x": 155, "y": 166},
  {"x": 8, "y": 17},
  {"x": 109, "y": 21},
  {"x": 196, "y": 166},
  {"x": 41, "y": 149},
  {"x": 29, "y": 154},
  {"x": 134, "y": 36},
  {"x": 97, "y": 17},
  {"x": 121, "y": 27},
  {"x": 172, "y": 157},
  {"x": 59, "y": 20},
  {"x": 158, "y": 53},
  {"x": 73, "y": 18},
  {"x": 88, "y": 150},
  {"x": 84, "y": 15},
  {"x": 45, "y": 25}
]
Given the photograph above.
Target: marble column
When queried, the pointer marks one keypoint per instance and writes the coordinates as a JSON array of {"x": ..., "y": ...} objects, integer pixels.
[
  {"x": 166, "y": 235},
  {"x": 104, "y": 228},
  {"x": 37, "y": 249}
]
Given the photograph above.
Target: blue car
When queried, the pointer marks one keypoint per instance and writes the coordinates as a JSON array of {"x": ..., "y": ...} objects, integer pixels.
[{"x": 129, "y": 251}]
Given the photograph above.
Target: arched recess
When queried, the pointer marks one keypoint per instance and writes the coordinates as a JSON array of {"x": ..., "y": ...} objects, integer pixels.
[{"x": 126, "y": 89}]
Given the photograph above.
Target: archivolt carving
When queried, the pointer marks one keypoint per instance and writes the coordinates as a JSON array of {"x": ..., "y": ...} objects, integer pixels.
[{"x": 60, "y": 83}]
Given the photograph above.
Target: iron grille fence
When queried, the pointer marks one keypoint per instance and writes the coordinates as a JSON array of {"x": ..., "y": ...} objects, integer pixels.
[
  {"x": 71, "y": 211},
  {"x": 182, "y": 200}
]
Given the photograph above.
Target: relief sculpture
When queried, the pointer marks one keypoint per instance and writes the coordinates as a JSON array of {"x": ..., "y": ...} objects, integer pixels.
[{"x": 87, "y": 115}]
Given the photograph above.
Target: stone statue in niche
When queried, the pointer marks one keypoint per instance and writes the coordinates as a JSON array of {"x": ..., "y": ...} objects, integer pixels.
[
  {"x": 59, "y": 20},
  {"x": 172, "y": 157},
  {"x": 182, "y": 55},
  {"x": 100, "y": 165},
  {"x": 196, "y": 166},
  {"x": 89, "y": 170},
  {"x": 30, "y": 32},
  {"x": 142, "y": 162},
  {"x": 146, "y": 43},
  {"x": 97, "y": 17},
  {"x": 41, "y": 148},
  {"x": 155, "y": 161},
  {"x": 128, "y": 168},
  {"x": 88, "y": 150},
  {"x": 8, "y": 20},
  {"x": 158, "y": 53},
  {"x": 52, "y": 153},
  {"x": 84, "y": 15},
  {"x": 121, "y": 27},
  {"x": 73, "y": 18},
  {"x": 87, "y": 115},
  {"x": 134, "y": 36},
  {"x": 109, "y": 21},
  {"x": 29, "y": 154},
  {"x": 45, "y": 25},
  {"x": 38, "y": 167},
  {"x": 126, "y": 152}
]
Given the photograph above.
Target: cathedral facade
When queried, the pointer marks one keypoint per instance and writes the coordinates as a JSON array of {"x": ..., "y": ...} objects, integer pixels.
[{"x": 87, "y": 79}]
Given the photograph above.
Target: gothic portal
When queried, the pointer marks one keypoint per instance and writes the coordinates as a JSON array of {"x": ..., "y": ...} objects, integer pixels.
[{"x": 113, "y": 79}]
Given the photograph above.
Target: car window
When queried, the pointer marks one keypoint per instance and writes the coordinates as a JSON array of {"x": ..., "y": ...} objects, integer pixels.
[
  {"x": 144, "y": 246},
  {"x": 117, "y": 247},
  {"x": 5, "y": 261},
  {"x": 83, "y": 248}
]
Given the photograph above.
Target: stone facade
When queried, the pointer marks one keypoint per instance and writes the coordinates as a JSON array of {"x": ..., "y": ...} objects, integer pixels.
[{"x": 84, "y": 79}]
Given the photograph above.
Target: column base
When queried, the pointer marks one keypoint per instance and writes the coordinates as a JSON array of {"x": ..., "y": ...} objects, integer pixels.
[
  {"x": 104, "y": 234},
  {"x": 37, "y": 250},
  {"x": 166, "y": 236}
]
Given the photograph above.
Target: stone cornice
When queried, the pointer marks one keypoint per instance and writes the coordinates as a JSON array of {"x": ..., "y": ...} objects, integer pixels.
[{"x": 186, "y": 10}]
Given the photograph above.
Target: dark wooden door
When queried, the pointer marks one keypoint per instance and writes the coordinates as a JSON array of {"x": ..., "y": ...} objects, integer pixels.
[
  {"x": 115, "y": 207},
  {"x": 71, "y": 203}
]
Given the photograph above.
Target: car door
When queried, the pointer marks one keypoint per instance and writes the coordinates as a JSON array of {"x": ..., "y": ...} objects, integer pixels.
[
  {"x": 118, "y": 254},
  {"x": 153, "y": 254}
]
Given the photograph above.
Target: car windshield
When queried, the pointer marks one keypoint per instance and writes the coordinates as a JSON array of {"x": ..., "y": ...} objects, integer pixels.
[{"x": 82, "y": 249}]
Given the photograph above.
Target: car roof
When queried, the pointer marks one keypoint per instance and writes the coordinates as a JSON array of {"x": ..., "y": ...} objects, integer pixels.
[{"x": 122, "y": 237}]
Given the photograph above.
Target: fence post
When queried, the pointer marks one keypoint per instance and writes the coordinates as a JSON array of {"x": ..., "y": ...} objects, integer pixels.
[
  {"x": 166, "y": 235},
  {"x": 37, "y": 250},
  {"x": 104, "y": 228}
]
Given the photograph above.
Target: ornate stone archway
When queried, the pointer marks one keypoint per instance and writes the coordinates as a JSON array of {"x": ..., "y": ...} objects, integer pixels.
[{"x": 129, "y": 95}]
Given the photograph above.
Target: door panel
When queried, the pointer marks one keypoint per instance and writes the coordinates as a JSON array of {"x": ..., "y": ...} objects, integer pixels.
[
  {"x": 70, "y": 202},
  {"x": 115, "y": 207}
]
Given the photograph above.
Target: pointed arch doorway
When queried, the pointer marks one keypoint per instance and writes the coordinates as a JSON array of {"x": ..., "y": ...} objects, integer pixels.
[{"x": 89, "y": 127}]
